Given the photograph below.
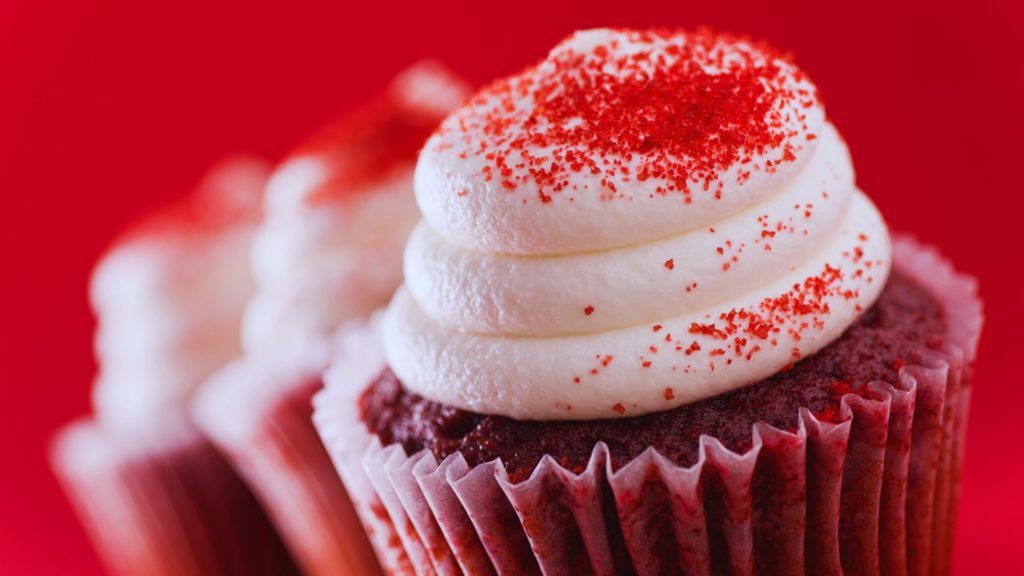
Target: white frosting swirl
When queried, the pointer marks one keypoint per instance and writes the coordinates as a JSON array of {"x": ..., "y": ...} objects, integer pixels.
[
  {"x": 169, "y": 297},
  {"x": 479, "y": 212},
  {"x": 602, "y": 301},
  {"x": 332, "y": 262},
  {"x": 338, "y": 213}
]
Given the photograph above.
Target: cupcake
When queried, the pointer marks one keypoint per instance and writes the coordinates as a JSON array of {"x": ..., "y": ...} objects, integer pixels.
[
  {"x": 155, "y": 496},
  {"x": 338, "y": 211},
  {"x": 650, "y": 325}
]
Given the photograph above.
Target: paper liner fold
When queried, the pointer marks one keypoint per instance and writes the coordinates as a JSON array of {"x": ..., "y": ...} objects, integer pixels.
[
  {"x": 873, "y": 492},
  {"x": 259, "y": 414},
  {"x": 162, "y": 501}
]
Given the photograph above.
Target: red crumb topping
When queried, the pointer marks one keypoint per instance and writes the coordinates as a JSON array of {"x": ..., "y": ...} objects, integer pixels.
[
  {"x": 802, "y": 306},
  {"x": 368, "y": 144},
  {"x": 230, "y": 193},
  {"x": 679, "y": 108}
]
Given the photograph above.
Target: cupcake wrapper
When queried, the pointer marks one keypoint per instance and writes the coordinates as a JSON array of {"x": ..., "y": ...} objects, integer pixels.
[
  {"x": 259, "y": 415},
  {"x": 880, "y": 485},
  {"x": 162, "y": 501}
]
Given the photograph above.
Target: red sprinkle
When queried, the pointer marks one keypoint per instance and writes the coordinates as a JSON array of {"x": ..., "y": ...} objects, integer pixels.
[
  {"x": 670, "y": 264},
  {"x": 803, "y": 306},
  {"x": 679, "y": 110},
  {"x": 588, "y": 310}
]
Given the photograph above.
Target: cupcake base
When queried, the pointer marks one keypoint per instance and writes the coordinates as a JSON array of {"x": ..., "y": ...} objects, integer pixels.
[
  {"x": 873, "y": 491},
  {"x": 892, "y": 333},
  {"x": 259, "y": 414},
  {"x": 162, "y": 501}
]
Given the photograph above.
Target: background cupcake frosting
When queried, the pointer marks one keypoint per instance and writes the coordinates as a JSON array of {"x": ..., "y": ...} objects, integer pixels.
[
  {"x": 169, "y": 297},
  {"x": 337, "y": 217}
]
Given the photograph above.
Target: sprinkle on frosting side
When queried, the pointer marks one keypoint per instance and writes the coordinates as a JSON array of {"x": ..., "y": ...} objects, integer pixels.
[{"x": 642, "y": 220}]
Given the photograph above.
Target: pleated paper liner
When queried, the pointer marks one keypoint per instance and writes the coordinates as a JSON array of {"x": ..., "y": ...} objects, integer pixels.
[
  {"x": 162, "y": 501},
  {"x": 874, "y": 493},
  {"x": 259, "y": 413}
]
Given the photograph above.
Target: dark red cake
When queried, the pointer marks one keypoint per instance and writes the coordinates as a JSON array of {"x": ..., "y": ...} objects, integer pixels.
[{"x": 891, "y": 334}]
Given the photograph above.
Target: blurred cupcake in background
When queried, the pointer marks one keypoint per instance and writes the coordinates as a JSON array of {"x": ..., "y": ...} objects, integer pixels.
[
  {"x": 651, "y": 325},
  {"x": 338, "y": 211},
  {"x": 155, "y": 496}
]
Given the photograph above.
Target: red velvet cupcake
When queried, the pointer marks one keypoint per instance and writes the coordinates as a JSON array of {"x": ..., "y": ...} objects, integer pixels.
[
  {"x": 650, "y": 325},
  {"x": 337, "y": 213},
  {"x": 154, "y": 494}
]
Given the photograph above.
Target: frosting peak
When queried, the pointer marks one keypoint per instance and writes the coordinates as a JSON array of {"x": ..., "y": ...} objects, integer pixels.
[
  {"x": 643, "y": 219},
  {"x": 618, "y": 137}
]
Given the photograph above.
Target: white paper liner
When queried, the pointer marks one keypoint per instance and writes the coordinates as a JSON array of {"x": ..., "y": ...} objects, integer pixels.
[
  {"x": 258, "y": 412},
  {"x": 162, "y": 501},
  {"x": 880, "y": 485}
]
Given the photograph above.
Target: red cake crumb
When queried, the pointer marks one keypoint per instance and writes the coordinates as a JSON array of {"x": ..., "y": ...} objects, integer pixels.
[
  {"x": 230, "y": 194},
  {"x": 366, "y": 145},
  {"x": 889, "y": 335}
]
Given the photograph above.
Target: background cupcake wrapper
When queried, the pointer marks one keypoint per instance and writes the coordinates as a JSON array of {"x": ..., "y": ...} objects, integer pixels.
[
  {"x": 259, "y": 414},
  {"x": 164, "y": 502},
  {"x": 881, "y": 484}
]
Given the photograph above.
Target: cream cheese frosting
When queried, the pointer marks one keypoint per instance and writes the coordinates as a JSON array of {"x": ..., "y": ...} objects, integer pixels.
[
  {"x": 169, "y": 296},
  {"x": 642, "y": 220},
  {"x": 338, "y": 213}
]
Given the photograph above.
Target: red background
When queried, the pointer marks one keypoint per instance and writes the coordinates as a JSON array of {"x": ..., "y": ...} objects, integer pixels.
[{"x": 109, "y": 109}]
